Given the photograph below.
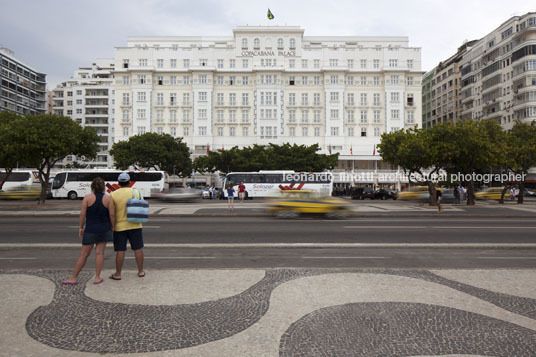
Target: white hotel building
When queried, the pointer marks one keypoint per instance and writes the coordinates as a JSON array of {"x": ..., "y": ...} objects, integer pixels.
[{"x": 270, "y": 85}]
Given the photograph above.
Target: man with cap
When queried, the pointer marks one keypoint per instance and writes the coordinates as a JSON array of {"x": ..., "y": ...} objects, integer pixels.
[{"x": 124, "y": 230}]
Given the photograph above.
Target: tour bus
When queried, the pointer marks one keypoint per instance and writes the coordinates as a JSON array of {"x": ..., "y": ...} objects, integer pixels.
[
  {"x": 77, "y": 183},
  {"x": 19, "y": 178},
  {"x": 271, "y": 183}
]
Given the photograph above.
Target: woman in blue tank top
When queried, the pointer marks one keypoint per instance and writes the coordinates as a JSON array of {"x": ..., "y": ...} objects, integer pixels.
[{"x": 97, "y": 219}]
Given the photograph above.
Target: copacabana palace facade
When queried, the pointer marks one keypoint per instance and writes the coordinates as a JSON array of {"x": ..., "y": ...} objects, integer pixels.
[{"x": 267, "y": 85}]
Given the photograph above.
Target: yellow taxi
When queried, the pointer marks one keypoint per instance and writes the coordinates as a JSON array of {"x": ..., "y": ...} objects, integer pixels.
[
  {"x": 491, "y": 193},
  {"x": 21, "y": 192},
  {"x": 414, "y": 193},
  {"x": 296, "y": 202}
]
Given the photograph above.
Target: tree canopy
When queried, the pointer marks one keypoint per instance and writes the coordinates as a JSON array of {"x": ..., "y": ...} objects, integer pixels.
[
  {"x": 152, "y": 150},
  {"x": 11, "y": 154},
  {"x": 273, "y": 157}
]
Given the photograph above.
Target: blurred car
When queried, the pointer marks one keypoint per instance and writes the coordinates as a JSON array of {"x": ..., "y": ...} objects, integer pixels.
[
  {"x": 361, "y": 193},
  {"x": 297, "y": 202},
  {"x": 415, "y": 193},
  {"x": 383, "y": 194},
  {"x": 491, "y": 193},
  {"x": 178, "y": 195},
  {"x": 21, "y": 192},
  {"x": 528, "y": 193}
]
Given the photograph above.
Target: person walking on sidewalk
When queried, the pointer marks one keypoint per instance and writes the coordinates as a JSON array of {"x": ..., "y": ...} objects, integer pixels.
[
  {"x": 241, "y": 191},
  {"x": 124, "y": 230},
  {"x": 97, "y": 218},
  {"x": 439, "y": 194},
  {"x": 230, "y": 198}
]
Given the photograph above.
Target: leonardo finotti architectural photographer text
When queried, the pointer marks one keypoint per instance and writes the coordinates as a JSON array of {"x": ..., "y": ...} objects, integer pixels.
[{"x": 371, "y": 176}]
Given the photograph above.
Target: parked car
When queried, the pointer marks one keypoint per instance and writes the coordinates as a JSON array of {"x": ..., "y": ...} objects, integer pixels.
[
  {"x": 383, "y": 194},
  {"x": 297, "y": 202},
  {"x": 361, "y": 193},
  {"x": 21, "y": 192}
]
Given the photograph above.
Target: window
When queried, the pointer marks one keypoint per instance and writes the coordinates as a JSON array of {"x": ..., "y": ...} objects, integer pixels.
[
  {"x": 350, "y": 98},
  {"x": 350, "y": 80},
  {"x": 363, "y": 131},
  {"x": 394, "y": 79},
  {"x": 244, "y": 43},
  {"x": 186, "y": 99},
  {"x": 351, "y": 116},
  {"x": 316, "y": 80},
  {"x": 78, "y": 111},
  {"x": 141, "y": 113},
  {"x": 395, "y": 114},
  {"x": 79, "y": 92},
  {"x": 256, "y": 44},
  {"x": 245, "y": 131},
  {"x": 232, "y": 116},
  {"x": 159, "y": 98},
  {"x": 203, "y": 62},
  {"x": 395, "y": 97},
  {"x": 292, "y": 44},
  {"x": 364, "y": 117},
  {"x": 376, "y": 81},
  {"x": 292, "y": 63},
  {"x": 173, "y": 131},
  {"x": 305, "y": 116},
  {"x": 291, "y": 116},
  {"x": 350, "y": 131},
  {"x": 142, "y": 79},
  {"x": 219, "y": 80},
  {"x": 317, "y": 131},
  {"x": 316, "y": 117},
  {"x": 173, "y": 116},
  {"x": 316, "y": 99},
  {"x": 292, "y": 99},
  {"x": 220, "y": 131},
  {"x": 186, "y": 80},
  {"x": 305, "y": 99},
  {"x": 376, "y": 63},
  {"x": 410, "y": 99},
  {"x": 363, "y": 80},
  {"x": 393, "y": 62},
  {"x": 173, "y": 63},
  {"x": 219, "y": 116},
  {"x": 334, "y": 114},
  {"x": 334, "y": 79},
  {"x": 376, "y": 131},
  {"x": 173, "y": 80},
  {"x": 125, "y": 63},
  {"x": 202, "y": 113},
  {"x": 245, "y": 99},
  {"x": 219, "y": 63},
  {"x": 245, "y": 116},
  {"x": 232, "y": 80},
  {"x": 279, "y": 43},
  {"x": 186, "y": 63},
  {"x": 203, "y": 96},
  {"x": 186, "y": 116},
  {"x": 305, "y": 131},
  {"x": 334, "y": 131},
  {"x": 160, "y": 63},
  {"x": 363, "y": 64},
  {"x": 143, "y": 62},
  {"x": 232, "y": 131},
  {"x": 304, "y": 80},
  {"x": 304, "y": 63},
  {"x": 245, "y": 63},
  {"x": 411, "y": 117},
  {"x": 245, "y": 80},
  {"x": 232, "y": 98},
  {"x": 376, "y": 99},
  {"x": 125, "y": 81},
  {"x": 160, "y": 80},
  {"x": 232, "y": 63},
  {"x": 363, "y": 98},
  {"x": 334, "y": 96},
  {"x": 333, "y": 62},
  {"x": 186, "y": 131},
  {"x": 316, "y": 63},
  {"x": 409, "y": 81},
  {"x": 125, "y": 131},
  {"x": 203, "y": 79},
  {"x": 410, "y": 63},
  {"x": 141, "y": 96},
  {"x": 125, "y": 116},
  {"x": 350, "y": 63},
  {"x": 173, "y": 99},
  {"x": 79, "y": 101},
  {"x": 159, "y": 116},
  {"x": 202, "y": 130},
  {"x": 291, "y": 131}
]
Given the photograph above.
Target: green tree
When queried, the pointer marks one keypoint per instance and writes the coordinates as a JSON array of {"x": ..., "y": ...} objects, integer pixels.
[
  {"x": 152, "y": 150},
  {"x": 11, "y": 150},
  {"x": 46, "y": 139}
]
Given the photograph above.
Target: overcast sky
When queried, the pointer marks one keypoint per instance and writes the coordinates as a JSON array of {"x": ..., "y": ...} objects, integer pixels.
[{"x": 58, "y": 36}]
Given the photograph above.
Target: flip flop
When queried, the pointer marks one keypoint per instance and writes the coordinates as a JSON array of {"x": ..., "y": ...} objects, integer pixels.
[
  {"x": 98, "y": 282},
  {"x": 113, "y": 277},
  {"x": 142, "y": 275},
  {"x": 67, "y": 282}
]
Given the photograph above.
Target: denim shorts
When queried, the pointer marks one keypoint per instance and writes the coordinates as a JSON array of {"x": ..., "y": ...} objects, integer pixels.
[
  {"x": 134, "y": 236},
  {"x": 94, "y": 238}
]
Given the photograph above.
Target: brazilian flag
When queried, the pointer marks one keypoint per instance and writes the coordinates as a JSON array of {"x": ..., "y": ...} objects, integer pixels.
[{"x": 270, "y": 15}]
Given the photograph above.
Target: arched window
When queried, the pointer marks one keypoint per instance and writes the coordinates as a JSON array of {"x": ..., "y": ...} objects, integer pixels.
[
  {"x": 244, "y": 43},
  {"x": 292, "y": 44},
  {"x": 256, "y": 44},
  {"x": 279, "y": 43}
]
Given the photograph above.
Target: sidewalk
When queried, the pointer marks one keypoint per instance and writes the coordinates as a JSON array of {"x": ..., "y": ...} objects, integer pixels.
[{"x": 278, "y": 312}]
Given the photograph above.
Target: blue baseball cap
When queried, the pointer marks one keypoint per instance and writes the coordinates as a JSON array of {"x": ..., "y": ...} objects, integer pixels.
[{"x": 123, "y": 177}]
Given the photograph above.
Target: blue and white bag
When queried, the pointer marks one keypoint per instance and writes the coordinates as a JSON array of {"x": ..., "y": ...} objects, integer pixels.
[{"x": 137, "y": 208}]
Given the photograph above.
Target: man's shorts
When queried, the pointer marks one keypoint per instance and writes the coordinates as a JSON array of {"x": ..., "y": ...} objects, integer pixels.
[
  {"x": 134, "y": 236},
  {"x": 241, "y": 195}
]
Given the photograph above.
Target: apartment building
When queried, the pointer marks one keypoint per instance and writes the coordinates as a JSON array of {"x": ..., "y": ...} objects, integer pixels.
[
  {"x": 22, "y": 88},
  {"x": 88, "y": 98},
  {"x": 498, "y": 74},
  {"x": 269, "y": 85}
]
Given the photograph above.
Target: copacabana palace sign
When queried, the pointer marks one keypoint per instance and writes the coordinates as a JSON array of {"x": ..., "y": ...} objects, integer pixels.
[{"x": 268, "y": 53}]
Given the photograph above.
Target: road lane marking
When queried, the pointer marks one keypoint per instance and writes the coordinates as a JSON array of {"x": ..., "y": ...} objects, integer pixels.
[
  {"x": 17, "y": 258},
  {"x": 437, "y": 227},
  {"x": 313, "y": 257},
  {"x": 76, "y": 227},
  {"x": 286, "y": 245},
  {"x": 146, "y": 257},
  {"x": 506, "y": 257}
]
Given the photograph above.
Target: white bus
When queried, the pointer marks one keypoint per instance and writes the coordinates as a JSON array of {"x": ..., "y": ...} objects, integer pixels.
[
  {"x": 19, "y": 178},
  {"x": 271, "y": 183},
  {"x": 77, "y": 183}
]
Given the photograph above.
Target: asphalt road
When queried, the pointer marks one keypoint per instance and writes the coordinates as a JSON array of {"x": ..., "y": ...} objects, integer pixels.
[{"x": 242, "y": 242}]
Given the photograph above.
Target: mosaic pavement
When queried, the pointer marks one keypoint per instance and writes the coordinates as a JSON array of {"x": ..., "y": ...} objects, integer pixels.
[{"x": 290, "y": 312}]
